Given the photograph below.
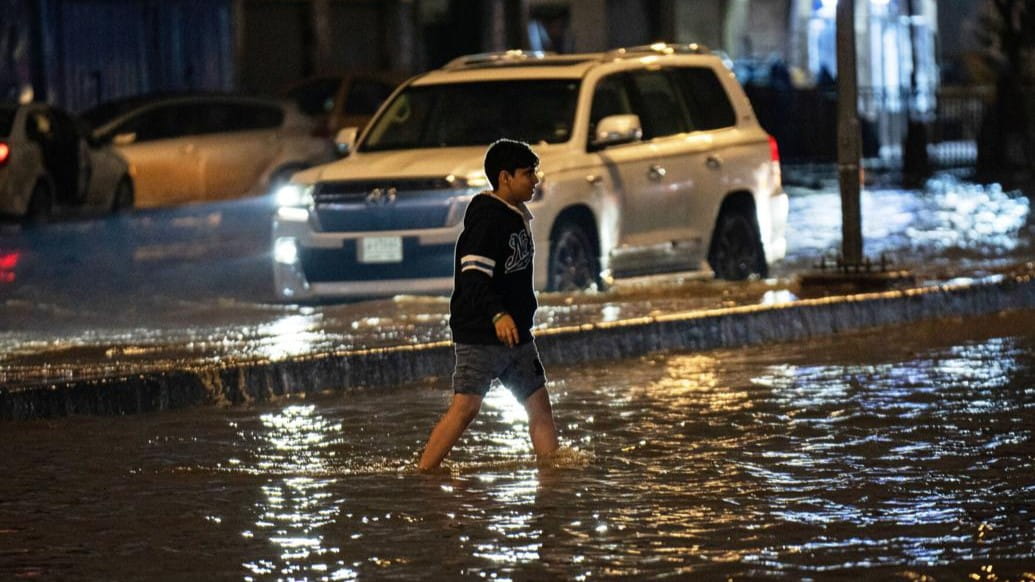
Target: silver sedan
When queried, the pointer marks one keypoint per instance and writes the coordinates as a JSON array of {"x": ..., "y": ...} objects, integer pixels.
[{"x": 50, "y": 165}]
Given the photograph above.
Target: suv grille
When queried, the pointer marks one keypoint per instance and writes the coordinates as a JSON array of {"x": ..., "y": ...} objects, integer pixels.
[
  {"x": 373, "y": 205},
  {"x": 353, "y": 189}
]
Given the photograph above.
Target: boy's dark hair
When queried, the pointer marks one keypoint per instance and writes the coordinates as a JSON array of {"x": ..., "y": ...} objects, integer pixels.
[{"x": 509, "y": 155}]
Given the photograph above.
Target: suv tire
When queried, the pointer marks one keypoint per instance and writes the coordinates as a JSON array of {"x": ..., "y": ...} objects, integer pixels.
[
  {"x": 573, "y": 263},
  {"x": 736, "y": 249}
]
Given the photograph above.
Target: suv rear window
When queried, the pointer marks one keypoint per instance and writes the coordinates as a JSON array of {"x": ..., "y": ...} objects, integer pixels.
[
  {"x": 658, "y": 104},
  {"x": 7, "y": 119},
  {"x": 706, "y": 100},
  {"x": 465, "y": 114}
]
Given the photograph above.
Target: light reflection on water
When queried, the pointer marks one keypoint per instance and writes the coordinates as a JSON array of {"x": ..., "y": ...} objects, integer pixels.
[
  {"x": 205, "y": 310},
  {"x": 963, "y": 226},
  {"x": 894, "y": 454}
]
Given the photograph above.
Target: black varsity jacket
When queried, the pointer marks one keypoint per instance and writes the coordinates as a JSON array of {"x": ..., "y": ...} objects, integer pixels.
[{"x": 492, "y": 271}]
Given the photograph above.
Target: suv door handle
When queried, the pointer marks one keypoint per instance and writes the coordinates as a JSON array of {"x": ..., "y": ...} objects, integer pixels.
[
  {"x": 656, "y": 172},
  {"x": 714, "y": 162}
]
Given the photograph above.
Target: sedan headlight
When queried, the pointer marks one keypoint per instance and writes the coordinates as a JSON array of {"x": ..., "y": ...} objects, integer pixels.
[{"x": 295, "y": 195}]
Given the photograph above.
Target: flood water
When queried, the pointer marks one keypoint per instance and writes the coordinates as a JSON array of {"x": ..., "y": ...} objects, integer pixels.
[
  {"x": 191, "y": 287},
  {"x": 899, "y": 453}
]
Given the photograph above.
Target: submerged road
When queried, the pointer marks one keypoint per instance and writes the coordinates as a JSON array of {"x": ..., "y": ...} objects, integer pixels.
[{"x": 849, "y": 458}]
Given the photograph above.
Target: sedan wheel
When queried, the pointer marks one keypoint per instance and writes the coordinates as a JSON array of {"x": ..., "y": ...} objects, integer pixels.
[
  {"x": 41, "y": 204},
  {"x": 573, "y": 264},
  {"x": 736, "y": 252}
]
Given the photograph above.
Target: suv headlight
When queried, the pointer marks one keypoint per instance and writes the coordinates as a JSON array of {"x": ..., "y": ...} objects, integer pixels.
[{"x": 295, "y": 195}]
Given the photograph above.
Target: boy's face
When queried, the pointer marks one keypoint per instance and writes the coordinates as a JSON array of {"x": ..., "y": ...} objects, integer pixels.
[{"x": 519, "y": 186}]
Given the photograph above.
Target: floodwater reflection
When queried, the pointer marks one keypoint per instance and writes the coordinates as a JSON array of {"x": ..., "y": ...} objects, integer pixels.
[
  {"x": 899, "y": 453},
  {"x": 294, "y": 508}
]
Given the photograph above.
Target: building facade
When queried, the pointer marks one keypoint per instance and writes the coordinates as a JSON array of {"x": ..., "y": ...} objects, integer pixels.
[{"x": 77, "y": 53}]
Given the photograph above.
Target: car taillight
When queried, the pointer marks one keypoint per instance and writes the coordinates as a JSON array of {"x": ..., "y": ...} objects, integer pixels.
[
  {"x": 774, "y": 150},
  {"x": 8, "y": 261},
  {"x": 5, "y": 152}
]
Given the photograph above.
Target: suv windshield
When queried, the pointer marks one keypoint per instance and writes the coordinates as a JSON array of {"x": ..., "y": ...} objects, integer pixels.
[{"x": 465, "y": 114}]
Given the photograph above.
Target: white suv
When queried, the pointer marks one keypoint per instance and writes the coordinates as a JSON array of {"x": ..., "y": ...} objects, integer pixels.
[{"x": 651, "y": 158}]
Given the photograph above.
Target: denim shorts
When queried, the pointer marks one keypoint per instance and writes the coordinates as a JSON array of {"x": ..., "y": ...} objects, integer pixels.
[{"x": 517, "y": 368}]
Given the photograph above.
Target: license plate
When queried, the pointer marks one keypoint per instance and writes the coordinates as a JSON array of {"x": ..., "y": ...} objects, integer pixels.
[{"x": 381, "y": 249}]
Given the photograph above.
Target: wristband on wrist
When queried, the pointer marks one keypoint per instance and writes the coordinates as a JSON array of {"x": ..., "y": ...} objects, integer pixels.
[{"x": 498, "y": 316}]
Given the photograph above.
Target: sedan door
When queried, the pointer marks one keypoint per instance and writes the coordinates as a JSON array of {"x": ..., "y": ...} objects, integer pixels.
[
  {"x": 239, "y": 143},
  {"x": 159, "y": 144}
]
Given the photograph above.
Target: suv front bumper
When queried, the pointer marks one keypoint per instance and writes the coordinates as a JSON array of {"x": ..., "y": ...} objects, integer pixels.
[{"x": 308, "y": 264}]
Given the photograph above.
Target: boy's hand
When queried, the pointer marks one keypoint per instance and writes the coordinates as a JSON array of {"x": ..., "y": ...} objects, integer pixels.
[{"x": 506, "y": 330}]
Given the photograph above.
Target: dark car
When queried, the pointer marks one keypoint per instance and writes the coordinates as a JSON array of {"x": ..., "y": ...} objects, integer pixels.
[{"x": 345, "y": 100}]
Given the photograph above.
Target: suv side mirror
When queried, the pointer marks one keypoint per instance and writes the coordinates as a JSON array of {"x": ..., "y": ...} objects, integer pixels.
[
  {"x": 616, "y": 129},
  {"x": 345, "y": 140}
]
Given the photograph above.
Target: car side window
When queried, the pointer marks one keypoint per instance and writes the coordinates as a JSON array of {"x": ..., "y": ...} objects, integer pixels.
[
  {"x": 658, "y": 105},
  {"x": 64, "y": 126},
  {"x": 252, "y": 117},
  {"x": 705, "y": 98},
  {"x": 609, "y": 98},
  {"x": 366, "y": 95},
  {"x": 7, "y": 120},
  {"x": 214, "y": 118},
  {"x": 317, "y": 96},
  {"x": 153, "y": 124}
]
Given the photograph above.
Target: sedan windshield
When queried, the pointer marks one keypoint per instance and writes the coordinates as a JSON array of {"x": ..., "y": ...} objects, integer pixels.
[{"x": 465, "y": 114}]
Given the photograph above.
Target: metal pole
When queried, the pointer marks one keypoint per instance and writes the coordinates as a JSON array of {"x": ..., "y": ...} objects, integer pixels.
[
  {"x": 914, "y": 151},
  {"x": 848, "y": 141}
]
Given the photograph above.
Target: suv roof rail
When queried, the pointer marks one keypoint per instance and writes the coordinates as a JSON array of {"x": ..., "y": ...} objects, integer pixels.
[
  {"x": 658, "y": 48},
  {"x": 500, "y": 57}
]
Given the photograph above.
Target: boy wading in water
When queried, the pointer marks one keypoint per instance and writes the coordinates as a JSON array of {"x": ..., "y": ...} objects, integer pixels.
[{"x": 493, "y": 304}]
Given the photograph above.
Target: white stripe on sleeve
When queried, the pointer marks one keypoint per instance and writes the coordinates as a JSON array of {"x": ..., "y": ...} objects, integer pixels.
[
  {"x": 477, "y": 263},
  {"x": 475, "y": 267},
  {"x": 480, "y": 260}
]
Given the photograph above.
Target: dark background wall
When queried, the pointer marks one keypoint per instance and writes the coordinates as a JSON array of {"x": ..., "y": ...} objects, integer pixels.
[{"x": 79, "y": 52}]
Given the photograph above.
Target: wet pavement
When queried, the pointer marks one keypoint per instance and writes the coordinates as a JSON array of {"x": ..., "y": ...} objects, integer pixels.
[
  {"x": 902, "y": 453},
  {"x": 847, "y": 458},
  {"x": 191, "y": 287}
]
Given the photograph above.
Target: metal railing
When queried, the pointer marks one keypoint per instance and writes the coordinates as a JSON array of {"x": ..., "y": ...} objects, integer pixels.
[{"x": 804, "y": 122}]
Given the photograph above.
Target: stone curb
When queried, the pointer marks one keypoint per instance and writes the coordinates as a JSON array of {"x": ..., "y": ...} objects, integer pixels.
[{"x": 698, "y": 330}]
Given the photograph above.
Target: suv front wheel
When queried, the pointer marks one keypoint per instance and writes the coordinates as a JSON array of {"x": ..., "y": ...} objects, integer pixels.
[
  {"x": 736, "y": 251},
  {"x": 573, "y": 262}
]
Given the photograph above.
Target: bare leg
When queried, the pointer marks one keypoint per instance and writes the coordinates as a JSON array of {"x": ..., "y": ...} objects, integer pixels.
[
  {"x": 462, "y": 410},
  {"x": 540, "y": 423}
]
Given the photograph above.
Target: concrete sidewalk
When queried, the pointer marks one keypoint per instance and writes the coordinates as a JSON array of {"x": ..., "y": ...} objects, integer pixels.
[{"x": 701, "y": 329}]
